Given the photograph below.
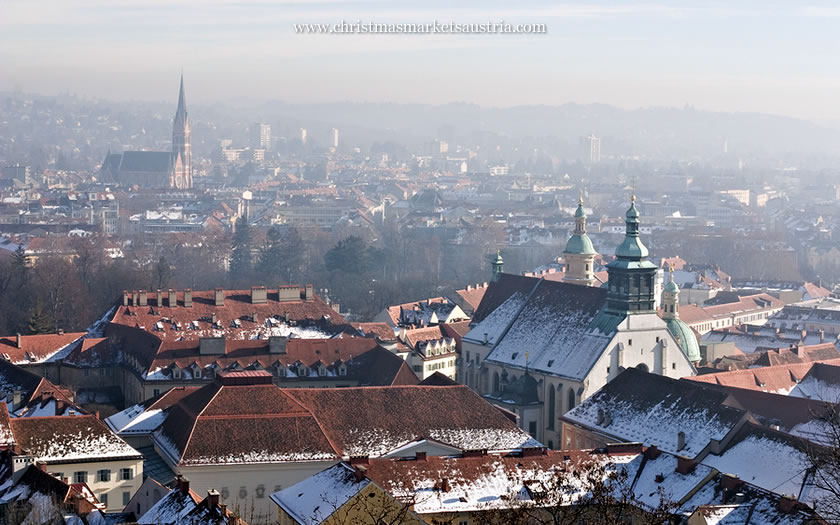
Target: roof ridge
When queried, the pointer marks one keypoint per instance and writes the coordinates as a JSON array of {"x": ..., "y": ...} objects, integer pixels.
[
  {"x": 338, "y": 452},
  {"x": 195, "y": 419}
]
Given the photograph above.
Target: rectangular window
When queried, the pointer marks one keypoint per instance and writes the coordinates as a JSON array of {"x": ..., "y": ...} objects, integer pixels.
[
  {"x": 156, "y": 392},
  {"x": 126, "y": 498},
  {"x": 126, "y": 474},
  {"x": 418, "y": 368},
  {"x": 80, "y": 477},
  {"x": 104, "y": 475},
  {"x": 103, "y": 498}
]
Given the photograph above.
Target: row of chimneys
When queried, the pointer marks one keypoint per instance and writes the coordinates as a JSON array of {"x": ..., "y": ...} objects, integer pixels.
[
  {"x": 476, "y": 286},
  {"x": 259, "y": 295}
]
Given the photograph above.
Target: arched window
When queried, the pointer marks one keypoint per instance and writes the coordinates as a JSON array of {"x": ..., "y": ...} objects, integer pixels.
[
  {"x": 571, "y": 398},
  {"x": 551, "y": 408},
  {"x": 495, "y": 381}
]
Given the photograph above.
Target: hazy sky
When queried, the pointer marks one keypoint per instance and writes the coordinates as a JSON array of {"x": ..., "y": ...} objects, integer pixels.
[{"x": 774, "y": 57}]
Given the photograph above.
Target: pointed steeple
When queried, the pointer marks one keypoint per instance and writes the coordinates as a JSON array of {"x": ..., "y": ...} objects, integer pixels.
[{"x": 181, "y": 112}]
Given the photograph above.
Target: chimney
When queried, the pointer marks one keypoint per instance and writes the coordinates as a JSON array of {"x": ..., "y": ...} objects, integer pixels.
[
  {"x": 444, "y": 485},
  {"x": 474, "y": 453},
  {"x": 212, "y": 499},
  {"x": 680, "y": 440},
  {"x": 420, "y": 455},
  {"x": 359, "y": 460},
  {"x": 254, "y": 316},
  {"x": 652, "y": 452},
  {"x": 223, "y": 509},
  {"x": 336, "y": 307},
  {"x": 188, "y": 298},
  {"x": 214, "y": 318},
  {"x": 183, "y": 485},
  {"x": 685, "y": 465},
  {"x": 135, "y": 300},
  {"x": 173, "y": 298},
  {"x": 308, "y": 292},
  {"x": 486, "y": 338},
  {"x": 259, "y": 295},
  {"x": 125, "y": 297},
  {"x": 15, "y": 399},
  {"x": 220, "y": 297},
  {"x": 159, "y": 298},
  {"x": 730, "y": 484},
  {"x": 822, "y": 336},
  {"x": 19, "y": 340},
  {"x": 144, "y": 298}
]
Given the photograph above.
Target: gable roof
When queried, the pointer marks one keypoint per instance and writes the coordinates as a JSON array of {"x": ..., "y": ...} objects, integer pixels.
[
  {"x": 69, "y": 439},
  {"x": 37, "y": 348},
  {"x": 556, "y": 331},
  {"x": 500, "y": 291},
  {"x": 652, "y": 409}
]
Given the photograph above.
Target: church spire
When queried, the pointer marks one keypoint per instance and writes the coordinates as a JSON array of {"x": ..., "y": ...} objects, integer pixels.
[{"x": 182, "y": 102}]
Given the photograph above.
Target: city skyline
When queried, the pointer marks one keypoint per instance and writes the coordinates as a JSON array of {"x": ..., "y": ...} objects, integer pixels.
[{"x": 751, "y": 57}]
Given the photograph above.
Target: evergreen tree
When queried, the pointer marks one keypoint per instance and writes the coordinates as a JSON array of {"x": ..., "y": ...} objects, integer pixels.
[
  {"x": 350, "y": 255},
  {"x": 39, "y": 320},
  {"x": 282, "y": 254},
  {"x": 19, "y": 265},
  {"x": 240, "y": 257}
]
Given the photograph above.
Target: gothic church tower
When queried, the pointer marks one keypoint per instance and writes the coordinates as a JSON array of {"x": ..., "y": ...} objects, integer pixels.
[{"x": 181, "y": 149}]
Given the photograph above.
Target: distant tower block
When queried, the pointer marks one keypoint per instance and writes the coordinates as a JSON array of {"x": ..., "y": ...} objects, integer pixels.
[
  {"x": 591, "y": 147},
  {"x": 303, "y": 136},
  {"x": 579, "y": 253},
  {"x": 260, "y": 136},
  {"x": 334, "y": 137}
]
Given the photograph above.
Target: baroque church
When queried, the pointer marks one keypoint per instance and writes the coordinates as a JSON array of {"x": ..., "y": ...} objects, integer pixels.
[
  {"x": 538, "y": 347},
  {"x": 156, "y": 169}
]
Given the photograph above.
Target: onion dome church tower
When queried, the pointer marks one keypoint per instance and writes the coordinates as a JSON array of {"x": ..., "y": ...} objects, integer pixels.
[
  {"x": 631, "y": 276},
  {"x": 579, "y": 253},
  {"x": 678, "y": 328},
  {"x": 498, "y": 266}
]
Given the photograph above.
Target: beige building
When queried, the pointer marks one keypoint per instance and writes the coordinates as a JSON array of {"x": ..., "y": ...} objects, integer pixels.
[{"x": 80, "y": 449}]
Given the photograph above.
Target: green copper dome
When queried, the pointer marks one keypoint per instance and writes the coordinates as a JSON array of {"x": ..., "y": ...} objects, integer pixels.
[
  {"x": 686, "y": 339},
  {"x": 580, "y": 244},
  {"x": 631, "y": 247},
  {"x": 579, "y": 213},
  {"x": 672, "y": 287}
]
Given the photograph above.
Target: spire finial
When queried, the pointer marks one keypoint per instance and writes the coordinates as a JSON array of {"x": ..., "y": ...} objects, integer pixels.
[
  {"x": 580, "y": 198},
  {"x": 671, "y": 271}
]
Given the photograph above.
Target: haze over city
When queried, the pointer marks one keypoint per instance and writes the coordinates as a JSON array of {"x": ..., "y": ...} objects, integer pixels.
[{"x": 768, "y": 57}]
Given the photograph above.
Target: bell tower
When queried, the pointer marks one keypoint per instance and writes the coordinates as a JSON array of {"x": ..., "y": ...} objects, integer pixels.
[
  {"x": 579, "y": 253},
  {"x": 181, "y": 147}
]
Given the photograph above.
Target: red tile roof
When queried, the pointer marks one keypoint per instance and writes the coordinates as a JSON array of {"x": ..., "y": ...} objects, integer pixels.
[
  {"x": 472, "y": 295},
  {"x": 237, "y": 306},
  {"x": 235, "y": 423},
  {"x": 35, "y": 348},
  {"x": 779, "y": 378}
]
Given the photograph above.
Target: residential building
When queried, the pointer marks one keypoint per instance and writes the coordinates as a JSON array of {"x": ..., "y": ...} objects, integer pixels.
[{"x": 81, "y": 448}]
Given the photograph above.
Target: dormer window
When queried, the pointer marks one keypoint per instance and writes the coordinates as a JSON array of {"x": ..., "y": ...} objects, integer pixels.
[
  {"x": 322, "y": 371},
  {"x": 197, "y": 373},
  {"x": 342, "y": 370},
  {"x": 176, "y": 373}
]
